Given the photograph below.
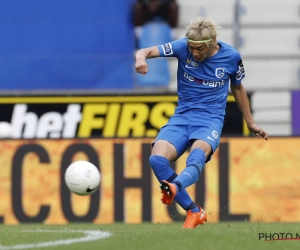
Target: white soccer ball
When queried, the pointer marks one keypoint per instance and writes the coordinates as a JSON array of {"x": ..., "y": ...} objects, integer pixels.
[
  {"x": 5, "y": 130},
  {"x": 82, "y": 178}
]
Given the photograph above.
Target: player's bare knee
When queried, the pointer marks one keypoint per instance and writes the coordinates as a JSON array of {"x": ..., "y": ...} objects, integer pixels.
[
  {"x": 164, "y": 149},
  {"x": 206, "y": 147}
]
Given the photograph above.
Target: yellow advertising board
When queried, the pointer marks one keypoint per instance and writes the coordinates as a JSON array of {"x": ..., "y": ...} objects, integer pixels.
[
  {"x": 124, "y": 116},
  {"x": 248, "y": 178}
]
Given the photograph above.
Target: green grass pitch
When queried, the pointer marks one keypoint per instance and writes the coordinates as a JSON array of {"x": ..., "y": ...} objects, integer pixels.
[{"x": 147, "y": 236}]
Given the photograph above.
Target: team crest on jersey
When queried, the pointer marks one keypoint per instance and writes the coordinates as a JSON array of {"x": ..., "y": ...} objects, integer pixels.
[
  {"x": 167, "y": 48},
  {"x": 241, "y": 71},
  {"x": 220, "y": 72},
  {"x": 215, "y": 134}
]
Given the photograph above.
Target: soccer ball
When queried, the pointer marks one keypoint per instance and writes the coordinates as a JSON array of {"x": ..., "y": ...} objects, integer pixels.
[{"x": 82, "y": 178}]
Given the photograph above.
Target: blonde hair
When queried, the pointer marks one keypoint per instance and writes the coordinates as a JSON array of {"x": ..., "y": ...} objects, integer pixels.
[{"x": 202, "y": 29}]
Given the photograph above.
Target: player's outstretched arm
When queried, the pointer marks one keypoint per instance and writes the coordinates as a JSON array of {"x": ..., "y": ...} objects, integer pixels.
[
  {"x": 141, "y": 65},
  {"x": 241, "y": 99}
]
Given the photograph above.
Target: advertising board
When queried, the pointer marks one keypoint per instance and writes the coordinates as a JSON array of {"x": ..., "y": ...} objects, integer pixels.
[
  {"x": 247, "y": 179},
  {"x": 134, "y": 116}
]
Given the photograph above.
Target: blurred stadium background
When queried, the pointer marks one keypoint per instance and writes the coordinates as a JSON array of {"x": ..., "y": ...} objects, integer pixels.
[{"x": 69, "y": 90}]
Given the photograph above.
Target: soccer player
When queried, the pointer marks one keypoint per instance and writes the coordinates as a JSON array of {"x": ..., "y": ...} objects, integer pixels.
[{"x": 206, "y": 68}]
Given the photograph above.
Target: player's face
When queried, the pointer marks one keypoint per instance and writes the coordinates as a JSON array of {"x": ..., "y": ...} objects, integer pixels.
[{"x": 199, "y": 51}]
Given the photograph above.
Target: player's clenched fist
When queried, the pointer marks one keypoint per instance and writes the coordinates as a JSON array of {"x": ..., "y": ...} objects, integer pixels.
[
  {"x": 140, "y": 58},
  {"x": 141, "y": 66}
]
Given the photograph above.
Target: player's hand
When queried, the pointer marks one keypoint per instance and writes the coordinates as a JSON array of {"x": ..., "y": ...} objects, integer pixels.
[
  {"x": 141, "y": 66},
  {"x": 258, "y": 131}
]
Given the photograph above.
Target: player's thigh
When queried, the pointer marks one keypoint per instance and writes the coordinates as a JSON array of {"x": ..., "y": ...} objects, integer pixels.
[
  {"x": 175, "y": 132},
  {"x": 206, "y": 132},
  {"x": 165, "y": 149}
]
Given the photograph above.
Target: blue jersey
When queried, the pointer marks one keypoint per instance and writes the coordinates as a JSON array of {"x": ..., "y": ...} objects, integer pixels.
[{"x": 204, "y": 85}]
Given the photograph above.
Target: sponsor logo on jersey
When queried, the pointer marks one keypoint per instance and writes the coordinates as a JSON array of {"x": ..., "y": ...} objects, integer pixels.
[
  {"x": 241, "y": 72},
  {"x": 189, "y": 67},
  {"x": 191, "y": 64},
  {"x": 209, "y": 83},
  {"x": 220, "y": 72},
  {"x": 167, "y": 48}
]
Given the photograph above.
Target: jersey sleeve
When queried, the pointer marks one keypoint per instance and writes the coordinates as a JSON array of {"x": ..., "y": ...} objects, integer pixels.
[
  {"x": 171, "y": 49},
  {"x": 238, "y": 70}
]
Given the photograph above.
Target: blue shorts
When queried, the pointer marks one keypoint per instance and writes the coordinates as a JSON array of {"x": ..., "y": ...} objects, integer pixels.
[{"x": 183, "y": 128}]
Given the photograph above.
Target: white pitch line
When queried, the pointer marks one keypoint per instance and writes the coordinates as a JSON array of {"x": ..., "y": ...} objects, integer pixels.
[{"x": 90, "y": 235}]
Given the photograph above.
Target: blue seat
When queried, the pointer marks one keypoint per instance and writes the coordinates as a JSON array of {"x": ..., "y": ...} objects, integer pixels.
[{"x": 155, "y": 33}]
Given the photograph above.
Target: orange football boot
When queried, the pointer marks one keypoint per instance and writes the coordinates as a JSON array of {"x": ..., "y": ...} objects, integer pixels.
[
  {"x": 194, "y": 219},
  {"x": 168, "y": 191}
]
